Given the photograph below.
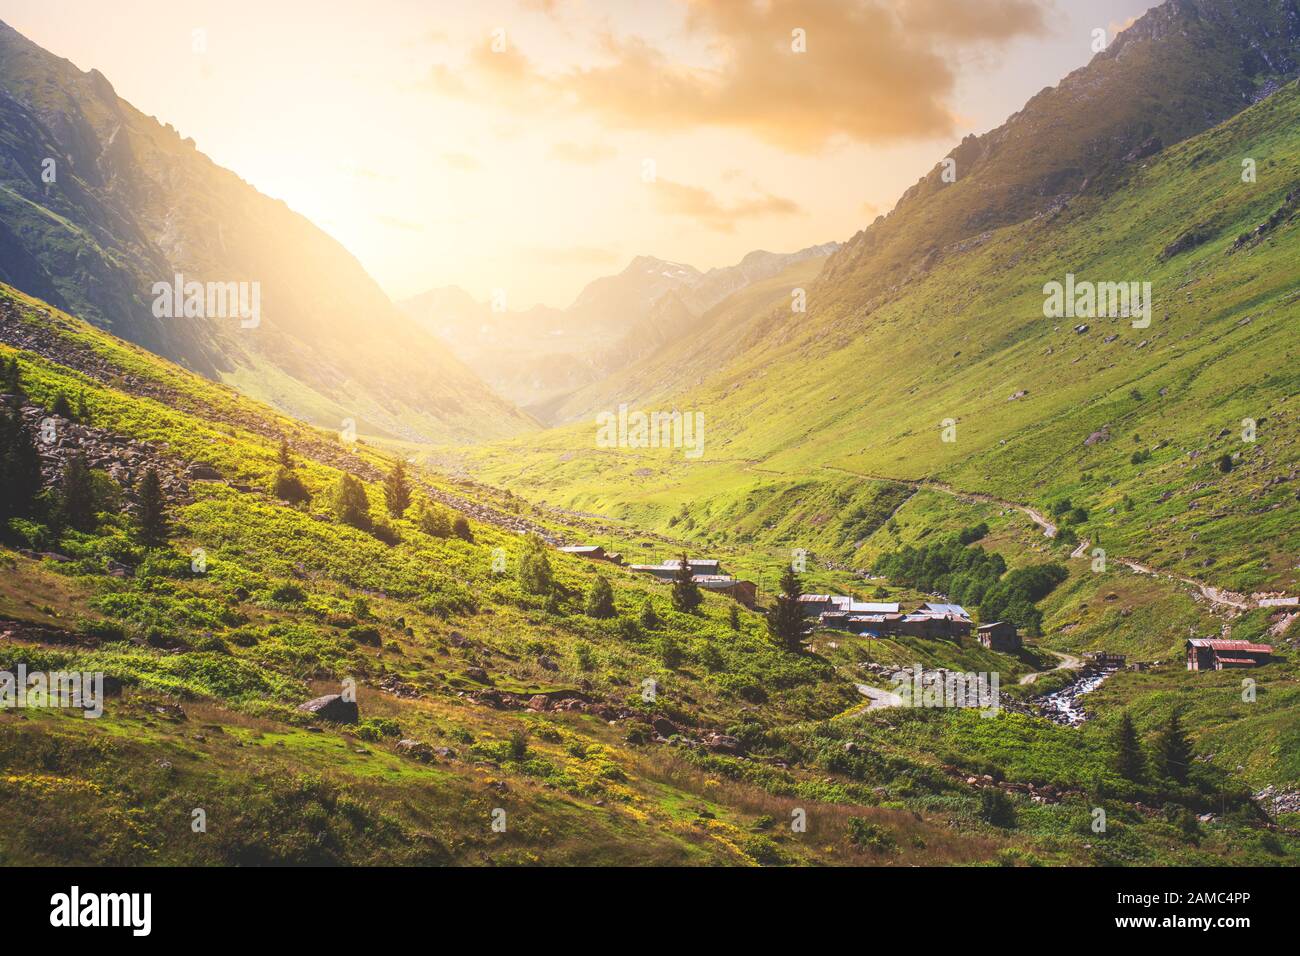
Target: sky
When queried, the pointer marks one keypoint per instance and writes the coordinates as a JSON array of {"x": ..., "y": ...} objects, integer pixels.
[{"x": 529, "y": 146}]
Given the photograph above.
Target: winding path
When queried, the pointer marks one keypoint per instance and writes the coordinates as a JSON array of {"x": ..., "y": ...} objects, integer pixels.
[
  {"x": 1218, "y": 597},
  {"x": 1068, "y": 662}
]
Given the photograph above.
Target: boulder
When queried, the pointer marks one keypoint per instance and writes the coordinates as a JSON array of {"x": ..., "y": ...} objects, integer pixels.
[
  {"x": 723, "y": 743},
  {"x": 202, "y": 472},
  {"x": 664, "y": 727},
  {"x": 332, "y": 707},
  {"x": 478, "y": 674},
  {"x": 415, "y": 748}
]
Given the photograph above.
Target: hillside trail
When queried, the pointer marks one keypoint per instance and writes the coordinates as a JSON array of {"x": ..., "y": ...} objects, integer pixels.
[
  {"x": 1068, "y": 663},
  {"x": 877, "y": 699},
  {"x": 1218, "y": 597}
]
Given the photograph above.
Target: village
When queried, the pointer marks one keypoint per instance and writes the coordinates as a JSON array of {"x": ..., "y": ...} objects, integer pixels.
[{"x": 935, "y": 620}]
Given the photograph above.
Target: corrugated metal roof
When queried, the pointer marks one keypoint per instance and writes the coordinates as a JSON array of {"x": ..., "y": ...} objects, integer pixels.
[
  {"x": 1218, "y": 644},
  {"x": 956, "y": 609}
]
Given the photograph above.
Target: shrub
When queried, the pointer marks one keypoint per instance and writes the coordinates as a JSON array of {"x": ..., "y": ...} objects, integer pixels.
[
  {"x": 649, "y": 619},
  {"x": 870, "y": 836},
  {"x": 518, "y": 744},
  {"x": 365, "y": 635},
  {"x": 434, "y": 520},
  {"x": 996, "y": 808},
  {"x": 350, "y": 503},
  {"x": 460, "y": 528},
  {"x": 385, "y": 532},
  {"x": 600, "y": 599},
  {"x": 535, "y": 575},
  {"x": 289, "y": 487}
]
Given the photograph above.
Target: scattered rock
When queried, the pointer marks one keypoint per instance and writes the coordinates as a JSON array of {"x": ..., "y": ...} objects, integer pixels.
[
  {"x": 332, "y": 707},
  {"x": 415, "y": 748}
]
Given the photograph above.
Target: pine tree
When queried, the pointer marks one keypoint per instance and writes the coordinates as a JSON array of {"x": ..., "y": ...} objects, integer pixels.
[
  {"x": 153, "y": 524},
  {"x": 686, "y": 593},
  {"x": 785, "y": 620},
  {"x": 20, "y": 468},
  {"x": 649, "y": 619},
  {"x": 733, "y": 618},
  {"x": 286, "y": 457},
  {"x": 77, "y": 494},
  {"x": 83, "y": 412},
  {"x": 1174, "y": 749},
  {"x": 600, "y": 599},
  {"x": 350, "y": 503},
  {"x": 1130, "y": 763},
  {"x": 397, "y": 490}
]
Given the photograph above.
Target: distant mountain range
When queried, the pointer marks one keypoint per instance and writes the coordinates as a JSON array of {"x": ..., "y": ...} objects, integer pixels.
[
  {"x": 99, "y": 202},
  {"x": 615, "y": 321},
  {"x": 1172, "y": 159}
]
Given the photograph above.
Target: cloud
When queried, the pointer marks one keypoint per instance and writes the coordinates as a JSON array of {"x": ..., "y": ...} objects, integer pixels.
[
  {"x": 693, "y": 202},
  {"x": 872, "y": 71},
  {"x": 582, "y": 155}
]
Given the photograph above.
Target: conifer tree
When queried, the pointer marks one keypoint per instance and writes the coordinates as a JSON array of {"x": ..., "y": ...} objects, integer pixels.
[
  {"x": 1129, "y": 760},
  {"x": 77, "y": 494},
  {"x": 397, "y": 490},
  {"x": 785, "y": 620},
  {"x": 20, "y": 468},
  {"x": 153, "y": 523},
  {"x": 1174, "y": 749},
  {"x": 686, "y": 593},
  {"x": 350, "y": 503}
]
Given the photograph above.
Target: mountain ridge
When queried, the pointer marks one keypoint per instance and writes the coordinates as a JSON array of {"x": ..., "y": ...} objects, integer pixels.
[{"x": 133, "y": 204}]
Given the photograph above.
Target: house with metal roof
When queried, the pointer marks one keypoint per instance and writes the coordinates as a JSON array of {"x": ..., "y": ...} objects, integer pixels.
[
  {"x": 593, "y": 551},
  {"x": 1208, "y": 653}
]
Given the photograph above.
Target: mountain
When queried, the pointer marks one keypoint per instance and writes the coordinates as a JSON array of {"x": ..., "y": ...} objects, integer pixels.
[
  {"x": 473, "y": 694},
  {"x": 614, "y": 322},
  {"x": 131, "y": 204},
  {"x": 827, "y": 430},
  {"x": 1180, "y": 69}
]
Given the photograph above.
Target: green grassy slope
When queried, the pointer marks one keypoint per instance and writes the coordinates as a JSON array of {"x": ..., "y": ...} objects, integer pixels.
[
  {"x": 446, "y": 652},
  {"x": 864, "y": 391}
]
